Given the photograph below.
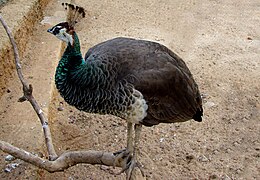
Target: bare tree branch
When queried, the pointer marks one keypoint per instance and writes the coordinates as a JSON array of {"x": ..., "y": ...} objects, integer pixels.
[
  {"x": 27, "y": 90},
  {"x": 64, "y": 161},
  {"x": 55, "y": 163}
]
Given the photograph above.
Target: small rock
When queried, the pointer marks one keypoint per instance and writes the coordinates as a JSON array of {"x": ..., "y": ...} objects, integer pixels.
[
  {"x": 209, "y": 104},
  {"x": 161, "y": 139},
  {"x": 249, "y": 38},
  {"x": 9, "y": 158},
  {"x": 225, "y": 177},
  {"x": 60, "y": 108},
  {"x": 8, "y": 90},
  {"x": 7, "y": 169},
  {"x": 203, "y": 158},
  {"x": 10, "y": 167},
  {"x": 103, "y": 167}
]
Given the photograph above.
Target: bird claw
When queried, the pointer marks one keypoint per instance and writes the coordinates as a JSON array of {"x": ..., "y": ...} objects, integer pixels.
[
  {"x": 129, "y": 163},
  {"x": 131, "y": 167},
  {"x": 122, "y": 155}
]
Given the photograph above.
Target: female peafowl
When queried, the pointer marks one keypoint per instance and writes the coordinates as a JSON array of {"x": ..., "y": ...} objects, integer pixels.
[{"x": 140, "y": 81}]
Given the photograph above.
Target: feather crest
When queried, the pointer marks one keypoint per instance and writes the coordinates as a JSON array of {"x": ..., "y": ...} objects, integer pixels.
[{"x": 74, "y": 13}]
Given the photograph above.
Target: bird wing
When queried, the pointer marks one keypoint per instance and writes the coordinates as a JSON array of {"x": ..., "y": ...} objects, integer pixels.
[
  {"x": 171, "y": 93},
  {"x": 159, "y": 74}
]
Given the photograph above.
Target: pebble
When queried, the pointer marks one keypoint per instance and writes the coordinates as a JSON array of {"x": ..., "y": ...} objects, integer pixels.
[
  {"x": 161, "y": 139},
  {"x": 225, "y": 177},
  {"x": 9, "y": 158},
  {"x": 60, "y": 108},
  {"x": 203, "y": 158},
  {"x": 10, "y": 167},
  {"x": 209, "y": 104},
  {"x": 103, "y": 167}
]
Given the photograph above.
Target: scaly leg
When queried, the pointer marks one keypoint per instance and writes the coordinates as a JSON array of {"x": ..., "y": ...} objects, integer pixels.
[
  {"x": 126, "y": 154},
  {"x": 130, "y": 146},
  {"x": 130, "y": 154},
  {"x": 134, "y": 161}
]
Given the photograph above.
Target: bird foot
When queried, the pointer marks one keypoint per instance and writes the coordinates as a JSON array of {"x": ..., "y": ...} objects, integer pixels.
[
  {"x": 123, "y": 156},
  {"x": 129, "y": 163},
  {"x": 130, "y": 168}
]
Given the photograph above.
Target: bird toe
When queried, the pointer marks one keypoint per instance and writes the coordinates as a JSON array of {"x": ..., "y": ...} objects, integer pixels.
[{"x": 122, "y": 157}]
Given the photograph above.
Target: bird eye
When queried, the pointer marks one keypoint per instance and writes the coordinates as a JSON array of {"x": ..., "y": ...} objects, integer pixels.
[{"x": 56, "y": 31}]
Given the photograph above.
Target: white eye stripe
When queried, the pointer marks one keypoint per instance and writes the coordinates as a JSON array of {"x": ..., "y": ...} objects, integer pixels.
[{"x": 58, "y": 29}]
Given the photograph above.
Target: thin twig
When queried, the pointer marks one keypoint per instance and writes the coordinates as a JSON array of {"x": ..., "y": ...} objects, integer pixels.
[{"x": 27, "y": 90}]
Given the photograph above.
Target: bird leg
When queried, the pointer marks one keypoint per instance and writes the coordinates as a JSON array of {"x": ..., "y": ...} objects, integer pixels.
[
  {"x": 130, "y": 154},
  {"x": 130, "y": 137},
  {"x": 134, "y": 161},
  {"x": 126, "y": 154}
]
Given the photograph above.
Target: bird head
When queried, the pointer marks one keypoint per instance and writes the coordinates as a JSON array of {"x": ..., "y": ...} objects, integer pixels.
[{"x": 63, "y": 32}]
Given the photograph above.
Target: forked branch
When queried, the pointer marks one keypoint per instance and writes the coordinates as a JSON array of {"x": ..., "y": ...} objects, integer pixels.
[
  {"x": 27, "y": 90},
  {"x": 55, "y": 162},
  {"x": 64, "y": 161}
]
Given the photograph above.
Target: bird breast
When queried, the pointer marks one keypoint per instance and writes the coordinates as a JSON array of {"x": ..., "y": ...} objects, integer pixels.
[{"x": 138, "y": 109}]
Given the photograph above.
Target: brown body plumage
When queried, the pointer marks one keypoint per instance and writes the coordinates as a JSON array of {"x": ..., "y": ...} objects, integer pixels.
[
  {"x": 141, "y": 81},
  {"x": 160, "y": 75}
]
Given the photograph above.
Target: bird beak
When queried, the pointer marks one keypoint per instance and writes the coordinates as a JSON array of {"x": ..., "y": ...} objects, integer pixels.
[{"x": 49, "y": 30}]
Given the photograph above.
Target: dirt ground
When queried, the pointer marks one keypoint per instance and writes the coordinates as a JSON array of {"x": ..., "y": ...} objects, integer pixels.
[{"x": 219, "y": 41}]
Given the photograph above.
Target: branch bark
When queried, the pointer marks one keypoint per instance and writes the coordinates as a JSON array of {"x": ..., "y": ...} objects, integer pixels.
[
  {"x": 55, "y": 162},
  {"x": 27, "y": 90},
  {"x": 64, "y": 161}
]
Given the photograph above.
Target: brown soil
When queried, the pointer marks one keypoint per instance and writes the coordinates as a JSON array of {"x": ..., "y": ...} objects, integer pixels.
[{"x": 220, "y": 41}]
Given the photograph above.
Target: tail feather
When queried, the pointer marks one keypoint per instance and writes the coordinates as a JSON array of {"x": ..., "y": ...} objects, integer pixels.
[{"x": 198, "y": 115}]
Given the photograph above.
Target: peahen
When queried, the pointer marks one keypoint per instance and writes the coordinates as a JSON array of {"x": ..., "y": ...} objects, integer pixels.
[{"x": 140, "y": 81}]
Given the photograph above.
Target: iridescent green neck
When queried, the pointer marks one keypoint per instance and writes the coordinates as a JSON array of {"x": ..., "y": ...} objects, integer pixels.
[
  {"x": 71, "y": 60},
  {"x": 87, "y": 85},
  {"x": 76, "y": 46}
]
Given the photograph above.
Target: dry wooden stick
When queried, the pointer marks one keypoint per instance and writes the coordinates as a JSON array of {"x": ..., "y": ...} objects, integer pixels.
[
  {"x": 27, "y": 90},
  {"x": 55, "y": 162},
  {"x": 64, "y": 161}
]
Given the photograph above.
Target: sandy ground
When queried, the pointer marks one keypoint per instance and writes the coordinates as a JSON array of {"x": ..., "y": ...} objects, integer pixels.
[{"x": 219, "y": 40}]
